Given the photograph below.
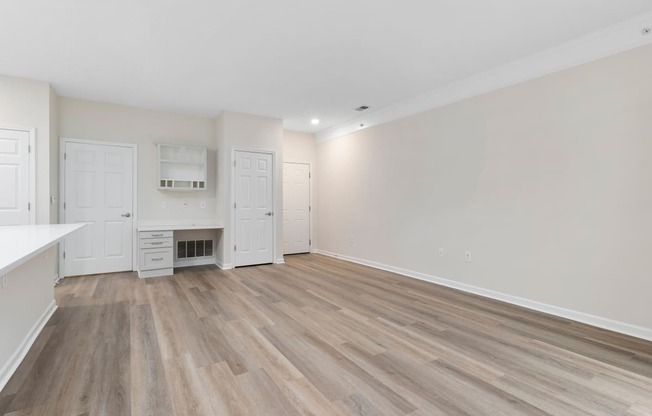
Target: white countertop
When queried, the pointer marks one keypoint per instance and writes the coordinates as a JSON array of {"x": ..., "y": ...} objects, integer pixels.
[
  {"x": 19, "y": 243},
  {"x": 180, "y": 226}
]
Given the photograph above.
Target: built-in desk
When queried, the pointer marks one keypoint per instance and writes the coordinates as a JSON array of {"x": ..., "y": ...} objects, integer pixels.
[{"x": 156, "y": 246}]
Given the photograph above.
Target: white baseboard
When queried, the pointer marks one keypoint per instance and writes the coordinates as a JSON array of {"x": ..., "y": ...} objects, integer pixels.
[
  {"x": 229, "y": 266},
  {"x": 223, "y": 266},
  {"x": 597, "y": 321},
  {"x": 10, "y": 367}
]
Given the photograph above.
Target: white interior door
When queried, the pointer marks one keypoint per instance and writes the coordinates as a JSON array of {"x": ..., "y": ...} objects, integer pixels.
[
  {"x": 99, "y": 193},
  {"x": 296, "y": 208},
  {"x": 14, "y": 177},
  {"x": 254, "y": 212}
]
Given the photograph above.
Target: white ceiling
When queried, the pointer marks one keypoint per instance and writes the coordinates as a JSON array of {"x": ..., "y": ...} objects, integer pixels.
[{"x": 291, "y": 59}]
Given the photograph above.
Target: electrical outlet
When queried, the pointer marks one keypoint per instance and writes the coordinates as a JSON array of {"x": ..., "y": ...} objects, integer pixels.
[
  {"x": 164, "y": 204},
  {"x": 202, "y": 204},
  {"x": 441, "y": 252},
  {"x": 467, "y": 256}
]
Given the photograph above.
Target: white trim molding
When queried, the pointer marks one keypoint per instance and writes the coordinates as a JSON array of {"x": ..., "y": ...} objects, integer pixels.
[
  {"x": 10, "y": 367},
  {"x": 585, "y": 318},
  {"x": 609, "y": 41}
]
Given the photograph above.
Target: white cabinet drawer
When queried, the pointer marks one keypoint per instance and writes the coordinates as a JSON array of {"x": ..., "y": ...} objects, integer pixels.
[
  {"x": 155, "y": 234},
  {"x": 156, "y": 259},
  {"x": 155, "y": 242}
]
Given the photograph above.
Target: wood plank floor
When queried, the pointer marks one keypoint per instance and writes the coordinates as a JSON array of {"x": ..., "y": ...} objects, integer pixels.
[{"x": 316, "y": 336}]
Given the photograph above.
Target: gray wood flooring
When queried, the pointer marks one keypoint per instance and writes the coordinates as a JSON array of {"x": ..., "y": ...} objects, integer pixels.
[{"x": 316, "y": 336}]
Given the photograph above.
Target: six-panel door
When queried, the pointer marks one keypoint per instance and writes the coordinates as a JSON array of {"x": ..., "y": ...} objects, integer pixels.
[
  {"x": 296, "y": 208},
  {"x": 99, "y": 193},
  {"x": 254, "y": 210},
  {"x": 14, "y": 177}
]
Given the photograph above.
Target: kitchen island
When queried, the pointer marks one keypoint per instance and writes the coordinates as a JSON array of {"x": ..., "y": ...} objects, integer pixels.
[{"x": 28, "y": 269}]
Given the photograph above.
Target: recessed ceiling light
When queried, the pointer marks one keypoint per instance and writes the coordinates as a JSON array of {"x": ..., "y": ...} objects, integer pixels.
[{"x": 314, "y": 121}]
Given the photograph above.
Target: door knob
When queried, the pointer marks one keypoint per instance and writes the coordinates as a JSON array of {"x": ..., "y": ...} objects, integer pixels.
[
  {"x": 127, "y": 215},
  {"x": 269, "y": 214}
]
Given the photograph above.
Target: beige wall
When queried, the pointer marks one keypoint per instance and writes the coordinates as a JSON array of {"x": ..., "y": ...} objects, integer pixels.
[
  {"x": 237, "y": 131},
  {"x": 26, "y": 103},
  {"x": 90, "y": 120},
  {"x": 547, "y": 183},
  {"x": 299, "y": 147}
]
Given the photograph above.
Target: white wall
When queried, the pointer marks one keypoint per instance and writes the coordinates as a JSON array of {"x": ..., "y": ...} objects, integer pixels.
[
  {"x": 90, "y": 120},
  {"x": 236, "y": 131},
  {"x": 547, "y": 183},
  {"x": 301, "y": 147},
  {"x": 26, "y": 103},
  {"x": 224, "y": 256},
  {"x": 24, "y": 302},
  {"x": 54, "y": 157}
]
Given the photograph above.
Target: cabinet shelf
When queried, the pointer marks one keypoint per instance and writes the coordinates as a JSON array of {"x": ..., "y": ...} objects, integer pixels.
[{"x": 181, "y": 167}]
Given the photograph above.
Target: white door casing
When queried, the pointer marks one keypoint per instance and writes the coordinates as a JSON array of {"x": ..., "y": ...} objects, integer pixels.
[
  {"x": 16, "y": 177},
  {"x": 254, "y": 208},
  {"x": 296, "y": 208},
  {"x": 98, "y": 191}
]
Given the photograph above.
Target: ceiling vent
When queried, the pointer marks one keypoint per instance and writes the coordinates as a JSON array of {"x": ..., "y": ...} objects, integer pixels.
[{"x": 362, "y": 108}]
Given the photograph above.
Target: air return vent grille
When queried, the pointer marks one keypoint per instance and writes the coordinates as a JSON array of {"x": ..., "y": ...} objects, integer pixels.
[{"x": 194, "y": 249}]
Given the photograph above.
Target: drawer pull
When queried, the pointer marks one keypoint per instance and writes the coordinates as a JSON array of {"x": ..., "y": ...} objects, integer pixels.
[
  {"x": 157, "y": 243},
  {"x": 157, "y": 235},
  {"x": 158, "y": 259}
]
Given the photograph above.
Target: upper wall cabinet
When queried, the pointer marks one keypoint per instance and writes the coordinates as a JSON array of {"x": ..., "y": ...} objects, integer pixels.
[{"x": 181, "y": 167}]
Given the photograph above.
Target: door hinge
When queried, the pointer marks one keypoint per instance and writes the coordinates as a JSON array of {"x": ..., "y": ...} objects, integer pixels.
[
  {"x": 65, "y": 156},
  {"x": 309, "y": 175},
  {"x": 235, "y": 248},
  {"x": 309, "y": 242},
  {"x": 234, "y": 163},
  {"x": 64, "y": 205},
  {"x": 64, "y": 254},
  {"x": 29, "y": 148},
  {"x": 29, "y": 206},
  {"x": 310, "y": 209},
  {"x": 235, "y": 205}
]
